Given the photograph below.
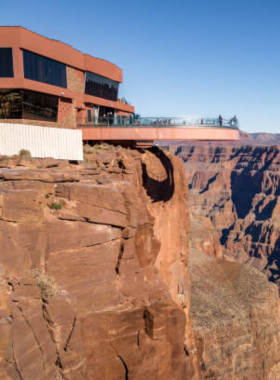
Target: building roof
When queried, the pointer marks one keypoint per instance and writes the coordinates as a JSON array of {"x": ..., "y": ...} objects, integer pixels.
[{"x": 18, "y": 36}]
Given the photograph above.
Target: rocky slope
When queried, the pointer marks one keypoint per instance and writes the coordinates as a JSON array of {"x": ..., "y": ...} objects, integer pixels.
[
  {"x": 94, "y": 277},
  {"x": 235, "y": 314},
  {"x": 238, "y": 189},
  {"x": 234, "y": 309}
]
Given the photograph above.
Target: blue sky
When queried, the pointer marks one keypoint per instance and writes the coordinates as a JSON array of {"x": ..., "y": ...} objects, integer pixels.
[{"x": 180, "y": 57}]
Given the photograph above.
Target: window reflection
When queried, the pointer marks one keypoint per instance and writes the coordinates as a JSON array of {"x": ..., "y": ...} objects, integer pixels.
[
  {"x": 102, "y": 87},
  {"x": 17, "y": 104},
  {"x": 41, "y": 69},
  {"x": 10, "y": 104},
  {"x": 6, "y": 63},
  {"x": 39, "y": 106}
]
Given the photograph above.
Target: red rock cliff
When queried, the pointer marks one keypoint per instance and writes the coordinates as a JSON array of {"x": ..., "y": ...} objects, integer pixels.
[
  {"x": 235, "y": 311},
  {"x": 94, "y": 277},
  {"x": 238, "y": 189},
  {"x": 93, "y": 268}
]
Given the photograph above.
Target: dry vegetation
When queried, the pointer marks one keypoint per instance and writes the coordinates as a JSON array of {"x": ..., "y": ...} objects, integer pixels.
[{"x": 46, "y": 284}]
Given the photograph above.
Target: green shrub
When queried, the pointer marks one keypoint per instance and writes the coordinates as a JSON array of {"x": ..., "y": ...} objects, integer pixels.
[
  {"x": 4, "y": 158},
  {"x": 25, "y": 153},
  {"x": 47, "y": 196},
  {"x": 56, "y": 206},
  {"x": 98, "y": 146}
]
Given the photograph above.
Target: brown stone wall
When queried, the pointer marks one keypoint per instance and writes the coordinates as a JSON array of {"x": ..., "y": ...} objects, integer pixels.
[
  {"x": 66, "y": 114},
  {"x": 75, "y": 80}
]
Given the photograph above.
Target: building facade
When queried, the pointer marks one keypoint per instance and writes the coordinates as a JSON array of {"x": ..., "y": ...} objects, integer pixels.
[{"x": 47, "y": 82}]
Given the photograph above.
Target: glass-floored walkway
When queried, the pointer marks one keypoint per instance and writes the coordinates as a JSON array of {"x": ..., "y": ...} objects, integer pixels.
[{"x": 159, "y": 129}]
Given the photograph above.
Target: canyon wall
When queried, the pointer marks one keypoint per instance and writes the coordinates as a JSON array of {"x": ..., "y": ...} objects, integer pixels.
[
  {"x": 104, "y": 275},
  {"x": 234, "y": 309},
  {"x": 235, "y": 314},
  {"x": 238, "y": 189},
  {"x": 91, "y": 287}
]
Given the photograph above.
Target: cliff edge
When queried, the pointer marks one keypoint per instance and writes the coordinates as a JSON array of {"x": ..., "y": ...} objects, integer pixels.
[
  {"x": 93, "y": 267},
  {"x": 96, "y": 281}
]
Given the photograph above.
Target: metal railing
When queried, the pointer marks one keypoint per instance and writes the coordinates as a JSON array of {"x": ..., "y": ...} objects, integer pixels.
[{"x": 157, "y": 122}]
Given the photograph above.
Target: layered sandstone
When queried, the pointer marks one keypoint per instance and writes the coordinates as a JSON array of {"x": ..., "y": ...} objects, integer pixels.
[
  {"x": 93, "y": 268},
  {"x": 234, "y": 192},
  {"x": 235, "y": 314},
  {"x": 238, "y": 189},
  {"x": 94, "y": 277}
]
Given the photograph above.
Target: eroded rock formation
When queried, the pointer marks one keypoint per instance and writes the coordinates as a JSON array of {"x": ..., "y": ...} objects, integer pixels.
[
  {"x": 93, "y": 268},
  {"x": 94, "y": 276},
  {"x": 235, "y": 314},
  {"x": 238, "y": 189},
  {"x": 234, "y": 192}
]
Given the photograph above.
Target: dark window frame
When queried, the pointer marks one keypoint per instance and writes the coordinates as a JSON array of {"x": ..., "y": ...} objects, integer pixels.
[
  {"x": 44, "y": 70},
  {"x": 11, "y": 58}
]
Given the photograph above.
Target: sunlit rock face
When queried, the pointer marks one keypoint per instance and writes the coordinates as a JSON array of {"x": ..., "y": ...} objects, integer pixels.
[
  {"x": 238, "y": 189},
  {"x": 234, "y": 309},
  {"x": 93, "y": 268},
  {"x": 235, "y": 313},
  {"x": 104, "y": 274}
]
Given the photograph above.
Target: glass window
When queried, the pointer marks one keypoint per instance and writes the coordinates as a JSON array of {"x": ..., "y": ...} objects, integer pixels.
[
  {"x": 38, "y": 106},
  {"x": 102, "y": 87},
  {"x": 18, "y": 104},
  {"x": 6, "y": 63},
  {"x": 10, "y": 104},
  {"x": 41, "y": 69},
  {"x": 89, "y": 115}
]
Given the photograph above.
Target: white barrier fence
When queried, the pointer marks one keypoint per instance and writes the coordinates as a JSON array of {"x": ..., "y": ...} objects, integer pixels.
[{"x": 65, "y": 144}]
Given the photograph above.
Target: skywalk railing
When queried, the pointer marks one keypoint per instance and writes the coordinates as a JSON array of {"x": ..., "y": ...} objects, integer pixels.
[{"x": 157, "y": 122}]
